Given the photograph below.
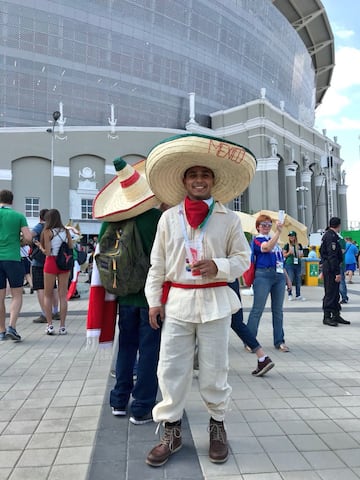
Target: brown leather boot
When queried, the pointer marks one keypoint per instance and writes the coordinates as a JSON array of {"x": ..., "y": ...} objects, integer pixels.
[
  {"x": 169, "y": 444},
  {"x": 218, "y": 450}
]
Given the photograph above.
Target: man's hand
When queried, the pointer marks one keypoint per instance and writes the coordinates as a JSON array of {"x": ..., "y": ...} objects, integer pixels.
[
  {"x": 338, "y": 278},
  {"x": 207, "y": 268},
  {"x": 156, "y": 316}
]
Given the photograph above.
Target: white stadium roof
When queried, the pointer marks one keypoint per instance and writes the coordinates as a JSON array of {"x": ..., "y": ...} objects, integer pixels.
[{"x": 309, "y": 19}]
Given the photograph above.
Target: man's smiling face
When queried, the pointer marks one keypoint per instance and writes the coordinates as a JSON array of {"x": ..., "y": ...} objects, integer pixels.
[{"x": 198, "y": 182}]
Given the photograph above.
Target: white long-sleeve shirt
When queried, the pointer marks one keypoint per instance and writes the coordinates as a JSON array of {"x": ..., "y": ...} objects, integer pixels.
[{"x": 224, "y": 242}]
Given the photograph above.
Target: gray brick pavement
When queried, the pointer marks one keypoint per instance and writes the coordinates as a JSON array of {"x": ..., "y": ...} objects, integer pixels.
[{"x": 301, "y": 421}]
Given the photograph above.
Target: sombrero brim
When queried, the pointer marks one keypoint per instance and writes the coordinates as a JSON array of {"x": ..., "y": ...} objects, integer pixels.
[
  {"x": 234, "y": 166},
  {"x": 112, "y": 205}
]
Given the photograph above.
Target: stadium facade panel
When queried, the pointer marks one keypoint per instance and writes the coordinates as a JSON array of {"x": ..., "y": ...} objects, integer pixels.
[{"x": 145, "y": 56}]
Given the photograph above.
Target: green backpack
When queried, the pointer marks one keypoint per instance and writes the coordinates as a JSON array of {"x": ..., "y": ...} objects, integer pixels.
[{"x": 121, "y": 261}]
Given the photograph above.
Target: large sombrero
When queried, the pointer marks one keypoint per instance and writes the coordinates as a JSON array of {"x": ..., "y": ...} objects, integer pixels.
[
  {"x": 233, "y": 166},
  {"x": 126, "y": 195}
]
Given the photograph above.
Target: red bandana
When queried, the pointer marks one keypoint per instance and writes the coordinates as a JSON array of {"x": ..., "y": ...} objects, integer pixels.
[{"x": 196, "y": 211}]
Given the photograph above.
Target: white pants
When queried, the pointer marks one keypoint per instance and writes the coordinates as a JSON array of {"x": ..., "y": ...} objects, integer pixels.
[{"x": 175, "y": 368}]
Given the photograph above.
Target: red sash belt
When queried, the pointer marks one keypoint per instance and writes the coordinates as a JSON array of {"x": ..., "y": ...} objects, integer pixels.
[{"x": 167, "y": 285}]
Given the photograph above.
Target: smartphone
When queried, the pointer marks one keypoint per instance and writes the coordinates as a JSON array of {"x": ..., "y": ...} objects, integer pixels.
[{"x": 281, "y": 216}]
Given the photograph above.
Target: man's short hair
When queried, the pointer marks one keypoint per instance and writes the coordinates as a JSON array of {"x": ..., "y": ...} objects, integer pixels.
[
  {"x": 6, "y": 196},
  {"x": 43, "y": 212},
  {"x": 334, "y": 222}
]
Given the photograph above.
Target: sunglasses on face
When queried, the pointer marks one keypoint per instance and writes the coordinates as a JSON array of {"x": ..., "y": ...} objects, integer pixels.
[{"x": 266, "y": 224}]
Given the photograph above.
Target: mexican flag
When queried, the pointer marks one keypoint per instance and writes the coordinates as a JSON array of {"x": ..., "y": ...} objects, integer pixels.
[{"x": 102, "y": 310}]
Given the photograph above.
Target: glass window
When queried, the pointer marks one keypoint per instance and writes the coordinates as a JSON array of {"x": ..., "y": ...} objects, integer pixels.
[
  {"x": 237, "y": 204},
  {"x": 86, "y": 208},
  {"x": 41, "y": 39},
  {"x": 27, "y": 21},
  {"x": 32, "y": 207}
]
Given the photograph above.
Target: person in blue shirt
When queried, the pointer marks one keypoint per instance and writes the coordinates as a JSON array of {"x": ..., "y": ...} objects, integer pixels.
[
  {"x": 351, "y": 252},
  {"x": 269, "y": 279},
  {"x": 312, "y": 253}
]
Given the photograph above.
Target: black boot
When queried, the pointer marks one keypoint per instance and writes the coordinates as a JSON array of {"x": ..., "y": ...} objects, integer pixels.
[
  {"x": 338, "y": 318},
  {"x": 329, "y": 319}
]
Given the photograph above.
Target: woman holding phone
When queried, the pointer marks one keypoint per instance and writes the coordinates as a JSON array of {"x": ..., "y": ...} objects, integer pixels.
[{"x": 269, "y": 279}]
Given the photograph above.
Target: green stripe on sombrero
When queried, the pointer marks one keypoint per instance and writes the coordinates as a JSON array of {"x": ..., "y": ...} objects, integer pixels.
[{"x": 119, "y": 164}]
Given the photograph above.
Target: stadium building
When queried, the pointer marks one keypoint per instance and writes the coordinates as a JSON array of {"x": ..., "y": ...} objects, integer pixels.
[{"x": 84, "y": 82}]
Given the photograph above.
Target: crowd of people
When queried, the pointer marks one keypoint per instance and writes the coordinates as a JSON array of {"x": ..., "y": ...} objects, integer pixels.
[
  {"x": 27, "y": 259},
  {"x": 180, "y": 319},
  {"x": 187, "y": 297}
]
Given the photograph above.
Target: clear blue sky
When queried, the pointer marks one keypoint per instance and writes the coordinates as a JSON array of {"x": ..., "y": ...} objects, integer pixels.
[{"x": 340, "y": 110}]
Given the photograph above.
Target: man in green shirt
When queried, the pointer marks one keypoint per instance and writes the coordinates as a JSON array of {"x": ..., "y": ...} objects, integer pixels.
[
  {"x": 130, "y": 197},
  {"x": 12, "y": 225}
]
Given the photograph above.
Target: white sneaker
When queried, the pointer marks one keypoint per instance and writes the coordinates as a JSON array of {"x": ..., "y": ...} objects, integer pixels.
[
  {"x": 141, "y": 420},
  {"x": 300, "y": 298},
  {"x": 290, "y": 298},
  {"x": 62, "y": 331},
  {"x": 118, "y": 412},
  {"x": 50, "y": 330}
]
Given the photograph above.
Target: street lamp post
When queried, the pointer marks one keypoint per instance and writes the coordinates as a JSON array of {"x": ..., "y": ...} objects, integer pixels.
[{"x": 56, "y": 115}]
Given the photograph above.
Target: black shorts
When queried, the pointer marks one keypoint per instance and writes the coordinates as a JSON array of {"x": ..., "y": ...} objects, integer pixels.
[
  {"x": 38, "y": 278},
  {"x": 27, "y": 265},
  {"x": 13, "y": 271}
]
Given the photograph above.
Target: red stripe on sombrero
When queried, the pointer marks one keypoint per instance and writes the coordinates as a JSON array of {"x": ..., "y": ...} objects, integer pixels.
[{"x": 131, "y": 180}]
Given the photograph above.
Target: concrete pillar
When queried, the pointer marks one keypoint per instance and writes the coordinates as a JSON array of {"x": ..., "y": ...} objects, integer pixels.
[
  {"x": 342, "y": 210},
  {"x": 264, "y": 189},
  {"x": 321, "y": 205},
  {"x": 291, "y": 201},
  {"x": 273, "y": 190},
  {"x": 309, "y": 214}
]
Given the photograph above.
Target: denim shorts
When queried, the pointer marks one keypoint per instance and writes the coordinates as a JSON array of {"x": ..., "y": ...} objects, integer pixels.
[{"x": 13, "y": 271}]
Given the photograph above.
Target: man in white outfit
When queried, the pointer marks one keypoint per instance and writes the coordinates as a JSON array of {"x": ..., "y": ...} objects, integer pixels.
[{"x": 199, "y": 247}]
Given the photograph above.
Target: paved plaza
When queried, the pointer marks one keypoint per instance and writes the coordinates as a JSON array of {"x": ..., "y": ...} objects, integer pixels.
[{"x": 299, "y": 422}]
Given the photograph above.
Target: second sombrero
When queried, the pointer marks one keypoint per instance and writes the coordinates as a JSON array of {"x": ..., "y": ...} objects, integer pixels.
[
  {"x": 126, "y": 195},
  {"x": 233, "y": 165}
]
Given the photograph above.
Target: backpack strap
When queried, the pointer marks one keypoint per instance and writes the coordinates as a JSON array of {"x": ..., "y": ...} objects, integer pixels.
[{"x": 58, "y": 235}]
